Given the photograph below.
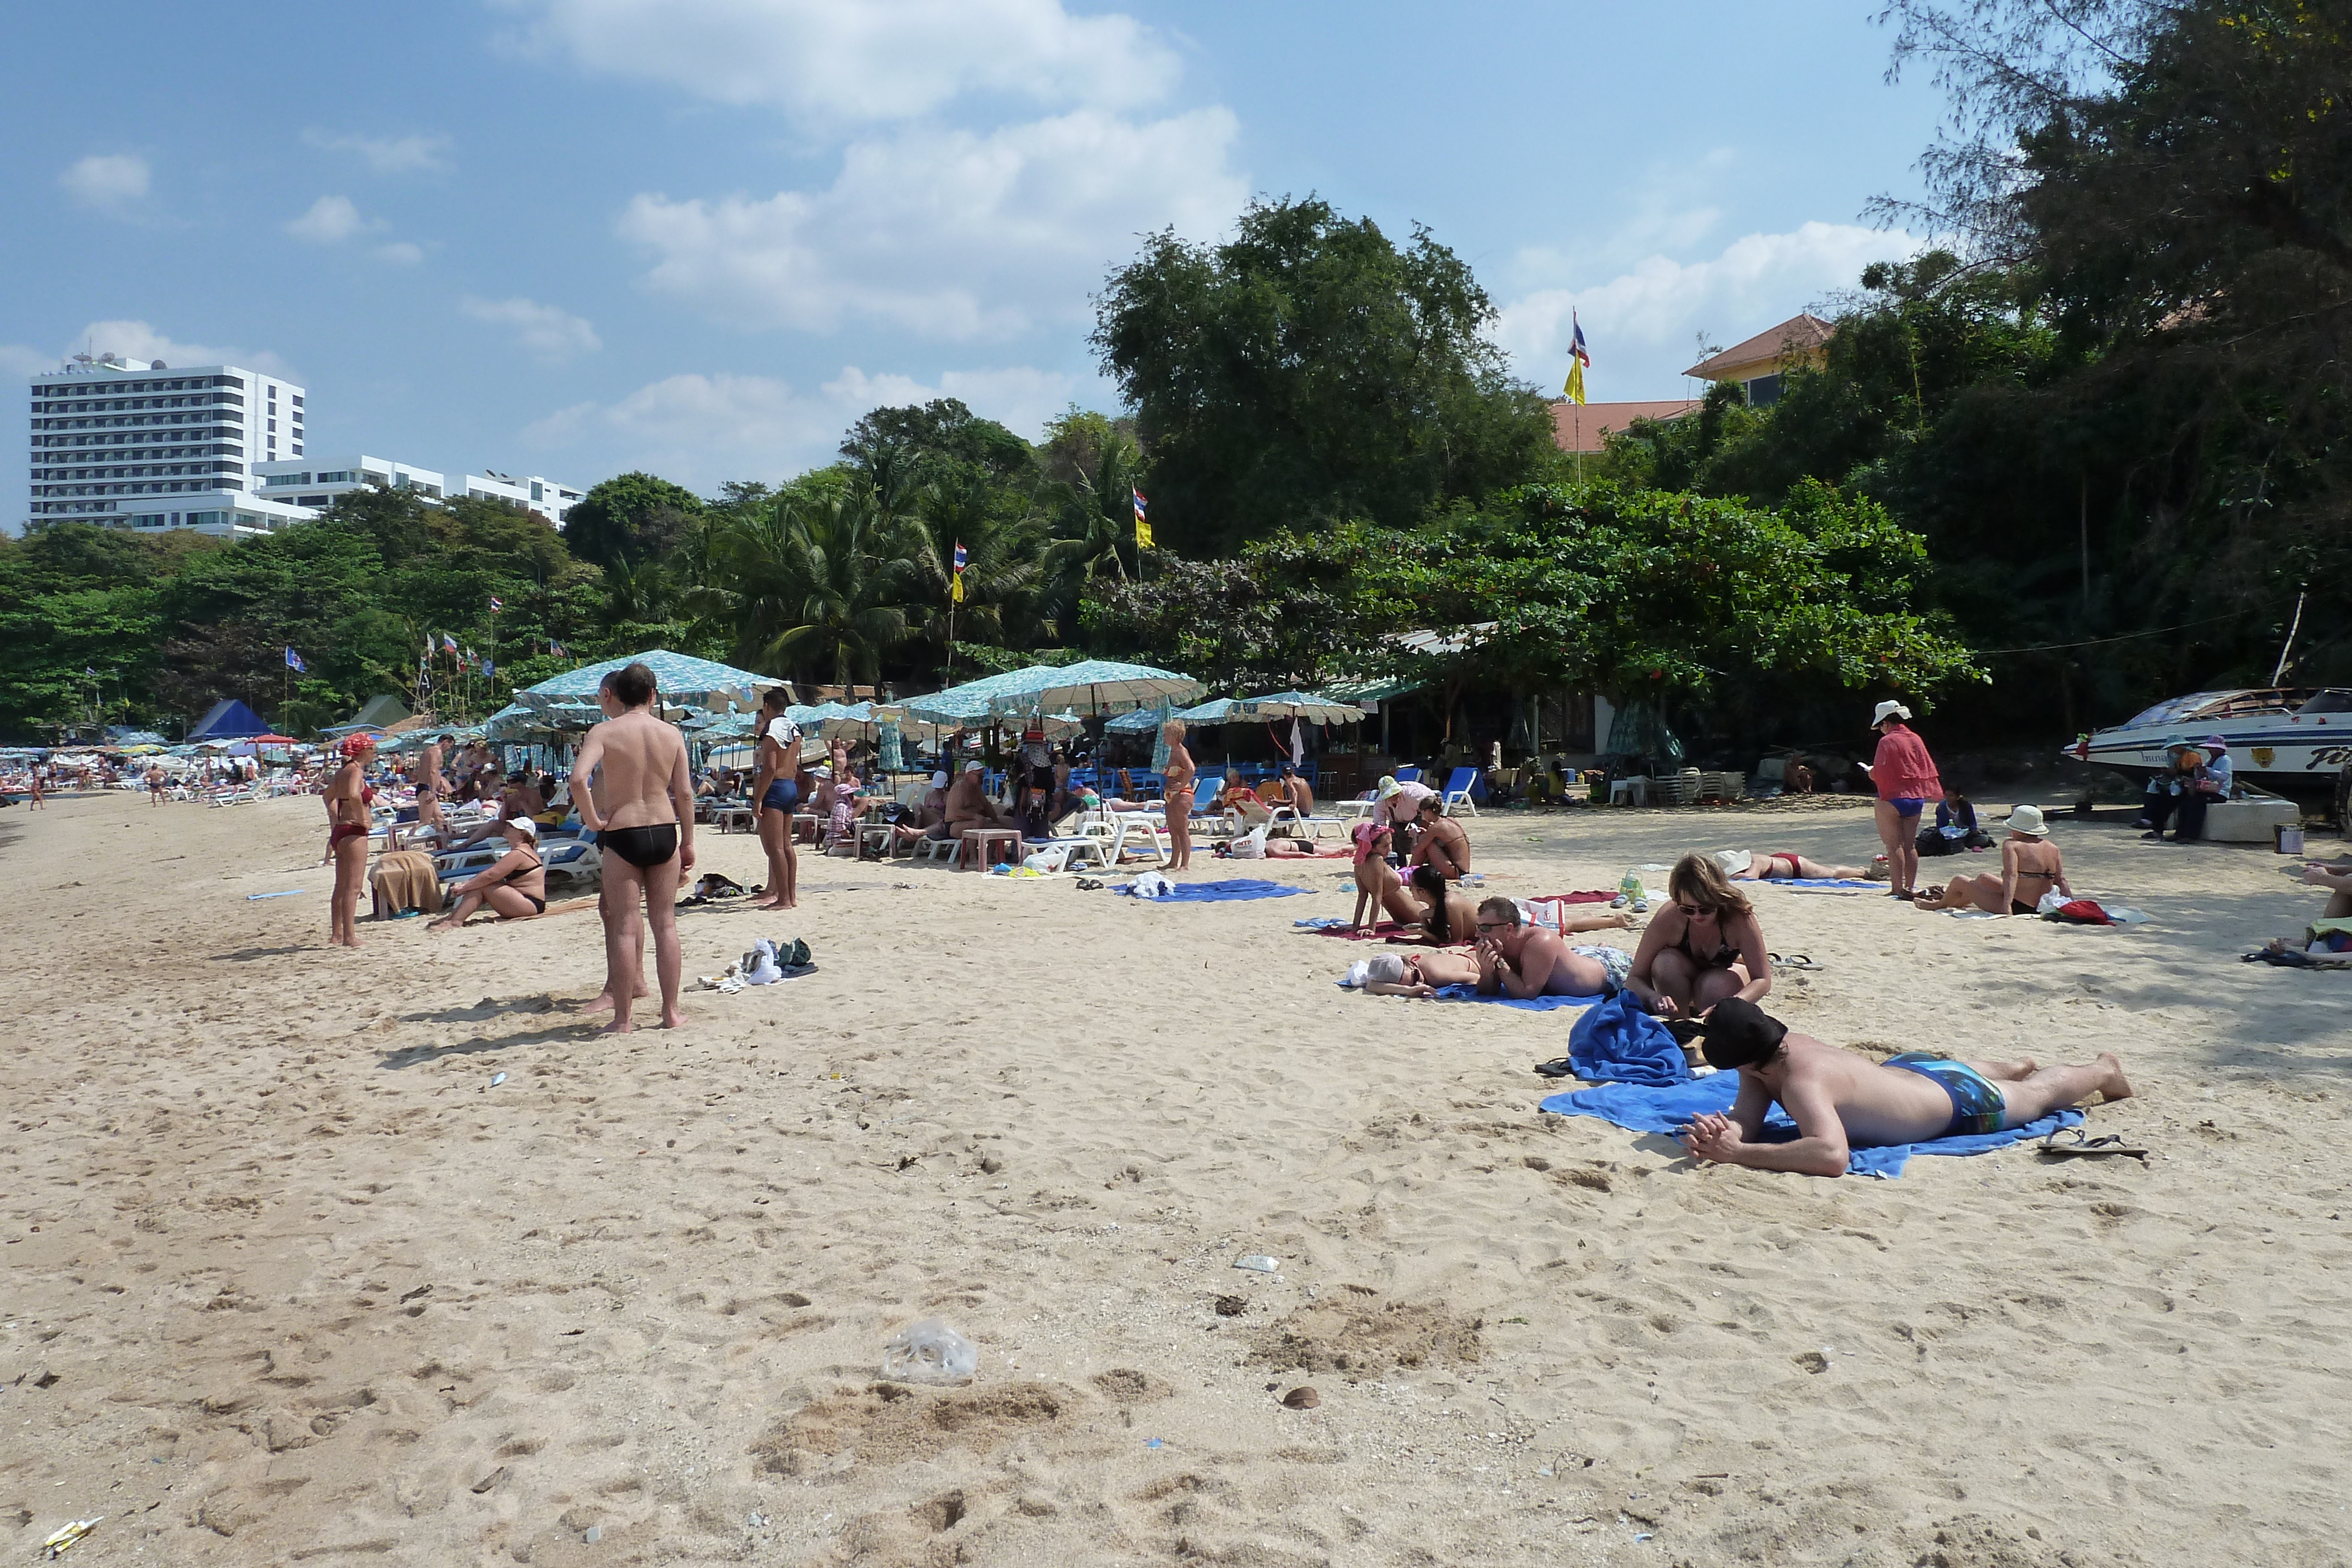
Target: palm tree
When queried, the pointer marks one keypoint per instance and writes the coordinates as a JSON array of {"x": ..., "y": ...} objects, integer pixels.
[
  {"x": 1093, "y": 522},
  {"x": 639, "y": 593},
  {"x": 808, "y": 585},
  {"x": 1003, "y": 564}
]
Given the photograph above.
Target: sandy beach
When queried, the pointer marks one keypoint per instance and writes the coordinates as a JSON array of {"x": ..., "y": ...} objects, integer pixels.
[{"x": 289, "y": 1279}]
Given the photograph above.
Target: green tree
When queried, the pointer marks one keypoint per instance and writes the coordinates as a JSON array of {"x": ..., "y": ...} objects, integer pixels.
[
  {"x": 634, "y": 517},
  {"x": 1311, "y": 370},
  {"x": 805, "y": 587}
]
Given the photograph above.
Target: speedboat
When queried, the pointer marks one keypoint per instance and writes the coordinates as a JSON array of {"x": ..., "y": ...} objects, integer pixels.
[{"x": 2290, "y": 741}]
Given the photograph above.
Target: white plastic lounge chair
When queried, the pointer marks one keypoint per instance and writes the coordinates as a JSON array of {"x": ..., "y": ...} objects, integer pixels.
[{"x": 1456, "y": 798}]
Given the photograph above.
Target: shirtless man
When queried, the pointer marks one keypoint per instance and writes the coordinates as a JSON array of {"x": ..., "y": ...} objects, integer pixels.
[
  {"x": 1291, "y": 790},
  {"x": 642, "y": 812},
  {"x": 2030, "y": 866},
  {"x": 1842, "y": 1101},
  {"x": 431, "y": 785},
  {"x": 155, "y": 783},
  {"x": 966, "y": 804},
  {"x": 1521, "y": 961},
  {"x": 1441, "y": 842}
]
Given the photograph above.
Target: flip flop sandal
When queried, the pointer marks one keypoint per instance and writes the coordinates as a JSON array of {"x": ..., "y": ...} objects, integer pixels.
[
  {"x": 1794, "y": 961},
  {"x": 2075, "y": 1143},
  {"x": 1088, "y": 883},
  {"x": 1557, "y": 1068}
]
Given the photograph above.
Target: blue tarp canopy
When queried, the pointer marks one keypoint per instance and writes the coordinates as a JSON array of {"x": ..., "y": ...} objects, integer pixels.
[{"x": 229, "y": 719}]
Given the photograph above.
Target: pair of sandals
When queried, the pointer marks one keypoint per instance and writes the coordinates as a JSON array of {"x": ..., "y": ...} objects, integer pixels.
[{"x": 1089, "y": 884}]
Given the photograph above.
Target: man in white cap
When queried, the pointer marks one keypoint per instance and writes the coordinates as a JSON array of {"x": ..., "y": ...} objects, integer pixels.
[
  {"x": 966, "y": 804},
  {"x": 2030, "y": 866},
  {"x": 514, "y": 887},
  {"x": 930, "y": 819}
]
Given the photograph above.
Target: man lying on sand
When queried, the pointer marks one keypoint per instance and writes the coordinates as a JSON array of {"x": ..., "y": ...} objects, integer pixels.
[
  {"x": 1521, "y": 960},
  {"x": 1842, "y": 1101}
]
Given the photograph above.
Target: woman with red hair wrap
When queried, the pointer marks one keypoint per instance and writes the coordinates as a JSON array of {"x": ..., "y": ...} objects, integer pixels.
[{"x": 348, "y": 800}]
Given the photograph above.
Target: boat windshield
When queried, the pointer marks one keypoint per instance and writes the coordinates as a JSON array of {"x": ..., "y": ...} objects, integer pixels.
[
  {"x": 2335, "y": 701},
  {"x": 2174, "y": 709}
]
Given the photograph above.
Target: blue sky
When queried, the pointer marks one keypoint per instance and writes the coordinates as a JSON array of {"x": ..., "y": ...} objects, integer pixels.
[{"x": 701, "y": 236}]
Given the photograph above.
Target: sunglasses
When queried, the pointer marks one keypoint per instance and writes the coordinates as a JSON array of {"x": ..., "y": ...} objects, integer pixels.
[
  {"x": 1693, "y": 911},
  {"x": 1496, "y": 925}
]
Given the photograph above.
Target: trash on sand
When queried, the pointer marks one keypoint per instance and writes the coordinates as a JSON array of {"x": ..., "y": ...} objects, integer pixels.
[
  {"x": 929, "y": 1352},
  {"x": 66, "y": 1535},
  {"x": 249, "y": 898},
  {"x": 501, "y": 1078},
  {"x": 1153, "y": 1443},
  {"x": 1258, "y": 1263}
]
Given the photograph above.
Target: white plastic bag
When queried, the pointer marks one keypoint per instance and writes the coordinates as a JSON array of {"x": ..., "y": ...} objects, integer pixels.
[
  {"x": 1250, "y": 846},
  {"x": 929, "y": 1352},
  {"x": 2053, "y": 899}
]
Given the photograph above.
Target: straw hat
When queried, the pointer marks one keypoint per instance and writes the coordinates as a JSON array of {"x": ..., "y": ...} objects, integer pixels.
[
  {"x": 2027, "y": 820},
  {"x": 1889, "y": 709}
]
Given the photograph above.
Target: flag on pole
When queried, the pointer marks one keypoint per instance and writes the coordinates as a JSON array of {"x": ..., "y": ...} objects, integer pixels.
[
  {"x": 1578, "y": 357},
  {"x": 556, "y": 648},
  {"x": 488, "y": 669},
  {"x": 294, "y": 662},
  {"x": 955, "y": 589},
  {"x": 448, "y": 642},
  {"x": 1142, "y": 528},
  {"x": 496, "y": 604}
]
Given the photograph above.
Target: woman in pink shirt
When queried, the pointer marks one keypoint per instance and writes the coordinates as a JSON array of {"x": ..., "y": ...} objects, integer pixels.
[{"x": 1906, "y": 777}]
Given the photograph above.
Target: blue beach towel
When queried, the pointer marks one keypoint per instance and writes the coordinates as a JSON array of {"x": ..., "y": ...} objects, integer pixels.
[
  {"x": 1531, "y": 1004},
  {"x": 1820, "y": 881},
  {"x": 1325, "y": 922},
  {"x": 1642, "y": 1109},
  {"x": 1219, "y": 892},
  {"x": 1617, "y": 1042}
]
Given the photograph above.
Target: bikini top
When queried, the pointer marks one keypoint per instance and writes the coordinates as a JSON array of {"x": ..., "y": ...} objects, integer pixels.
[{"x": 1725, "y": 953}]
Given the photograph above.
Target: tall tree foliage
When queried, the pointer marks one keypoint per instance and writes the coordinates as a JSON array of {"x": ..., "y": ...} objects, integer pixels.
[{"x": 1311, "y": 370}]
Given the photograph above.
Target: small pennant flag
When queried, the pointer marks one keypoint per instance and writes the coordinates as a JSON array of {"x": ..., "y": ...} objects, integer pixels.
[
  {"x": 955, "y": 589},
  {"x": 1142, "y": 528},
  {"x": 294, "y": 662},
  {"x": 557, "y": 649}
]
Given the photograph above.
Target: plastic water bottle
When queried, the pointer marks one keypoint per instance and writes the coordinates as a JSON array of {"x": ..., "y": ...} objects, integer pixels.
[
  {"x": 1631, "y": 889},
  {"x": 929, "y": 1352}
]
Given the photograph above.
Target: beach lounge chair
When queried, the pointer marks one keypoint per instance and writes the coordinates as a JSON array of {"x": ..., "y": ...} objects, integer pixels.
[
  {"x": 1288, "y": 817},
  {"x": 1458, "y": 792}
]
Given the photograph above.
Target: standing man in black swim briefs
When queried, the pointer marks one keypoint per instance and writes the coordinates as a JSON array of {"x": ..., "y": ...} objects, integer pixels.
[
  {"x": 1842, "y": 1101},
  {"x": 631, "y": 787}
]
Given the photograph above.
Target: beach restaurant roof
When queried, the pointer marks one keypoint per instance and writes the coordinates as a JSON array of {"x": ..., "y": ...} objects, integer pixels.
[{"x": 228, "y": 719}]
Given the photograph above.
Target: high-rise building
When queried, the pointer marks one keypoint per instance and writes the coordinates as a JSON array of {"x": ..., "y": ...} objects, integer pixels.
[
  {"x": 534, "y": 494},
  {"x": 147, "y": 447}
]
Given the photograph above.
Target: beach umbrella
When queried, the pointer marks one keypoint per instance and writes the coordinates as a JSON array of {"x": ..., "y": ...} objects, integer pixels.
[
  {"x": 1298, "y": 706},
  {"x": 682, "y": 679},
  {"x": 1090, "y": 686}
]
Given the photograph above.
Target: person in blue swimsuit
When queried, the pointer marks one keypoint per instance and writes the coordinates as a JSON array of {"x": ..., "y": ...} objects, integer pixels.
[
  {"x": 778, "y": 790},
  {"x": 1842, "y": 1101}
]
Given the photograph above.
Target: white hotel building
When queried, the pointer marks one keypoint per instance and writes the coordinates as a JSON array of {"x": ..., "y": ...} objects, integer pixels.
[
  {"x": 216, "y": 448},
  {"x": 151, "y": 447}
]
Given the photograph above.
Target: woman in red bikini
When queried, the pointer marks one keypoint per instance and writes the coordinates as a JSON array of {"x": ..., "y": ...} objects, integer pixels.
[
  {"x": 348, "y": 800},
  {"x": 1788, "y": 865}
]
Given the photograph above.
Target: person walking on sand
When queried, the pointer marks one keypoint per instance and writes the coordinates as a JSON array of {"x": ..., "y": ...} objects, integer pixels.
[
  {"x": 431, "y": 786},
  {"x": 633, "y": 788},
  {"x": 348, "y": 800},
  {"x": 1176, "y": 798},
  {"x": 778, "y": 792},
  {"x": 1842, "y": 1101},
  {"x": 1905, "y": 778},
  {"x": 155, "y": 784}
]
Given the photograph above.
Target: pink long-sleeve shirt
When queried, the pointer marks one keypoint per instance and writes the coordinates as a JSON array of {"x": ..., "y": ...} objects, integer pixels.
[{"x": 1902, "y": 769}]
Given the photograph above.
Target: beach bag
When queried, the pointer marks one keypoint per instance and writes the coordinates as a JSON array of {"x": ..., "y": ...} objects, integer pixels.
[
  {"x": 2073, "y": 911},
  {"x": 1250, "y": 846}
]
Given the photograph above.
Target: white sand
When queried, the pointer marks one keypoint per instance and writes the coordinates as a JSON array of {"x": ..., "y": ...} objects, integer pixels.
[{"x": 308, "y": 1288}]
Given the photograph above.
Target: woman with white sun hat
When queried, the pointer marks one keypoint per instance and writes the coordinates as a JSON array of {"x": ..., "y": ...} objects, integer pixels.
[{"x": 2030, "y": 866}]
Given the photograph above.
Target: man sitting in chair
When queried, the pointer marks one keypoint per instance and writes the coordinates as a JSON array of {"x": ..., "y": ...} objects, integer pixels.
[
  {"x": 1291, "y": 790},
  {"x": 1241, "y": 802}
]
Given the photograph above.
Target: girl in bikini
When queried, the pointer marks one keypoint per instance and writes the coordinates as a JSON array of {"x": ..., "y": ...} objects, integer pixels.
[
  {"x": 1378, "y": 888},
  {"x": 348, "y": 800},
  {"x": 1788, "y": 865},
  {"x": 1704, "y": 945},
  {"x": 2030, "y": 866}
]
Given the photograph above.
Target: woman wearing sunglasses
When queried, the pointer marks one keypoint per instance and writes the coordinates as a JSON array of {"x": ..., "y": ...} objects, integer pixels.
[{"x": 1704, "y": 945}]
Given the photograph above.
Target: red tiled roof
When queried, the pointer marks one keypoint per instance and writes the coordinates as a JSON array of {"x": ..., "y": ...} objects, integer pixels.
[
  {"x": 1800, "y": 333},
  {"x": 1584, "y": 429}
]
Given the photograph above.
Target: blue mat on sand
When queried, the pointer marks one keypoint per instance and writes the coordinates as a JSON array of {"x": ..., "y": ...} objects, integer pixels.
[
  {"x": 1532, "y": 1004},
  {"x": 1820, "y": 881},
  {"x": 1646, "y": 1109},
  {"x": 1219, "y": 892}
]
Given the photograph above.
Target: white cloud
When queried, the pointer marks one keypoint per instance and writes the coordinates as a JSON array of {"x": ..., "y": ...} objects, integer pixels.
[
  {"x": 18, "y": 362},
  {"x": 401, "y": 253},
  {"x": 1642, "y": 323},
  {"x": 949, "y": 234},
  {"x": 107, "y": 182},
  {"x": 388, "y": 154},
  {"x": 827, "y": 63},
  {"x": 330, "y": 221},
  {"x": 545, "y": 329},
  {"x": 701, "y": 430},
  {"x": 140, "y": 342}
]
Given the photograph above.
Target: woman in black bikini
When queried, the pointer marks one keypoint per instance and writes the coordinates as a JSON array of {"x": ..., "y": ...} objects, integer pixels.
[
  {"x": 348, "y": 820},
  {"x": 2030, "y": 866},
  {"x": 1704, "y": 945},
  {"x": 514, "y": 885}
]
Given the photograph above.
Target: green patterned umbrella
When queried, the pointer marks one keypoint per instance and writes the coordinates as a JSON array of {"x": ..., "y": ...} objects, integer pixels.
[{"x": 682, "y": 680}]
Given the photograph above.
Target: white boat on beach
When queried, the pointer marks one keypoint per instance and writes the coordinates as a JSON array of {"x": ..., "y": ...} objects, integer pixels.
[{"x": 2290, "y": 741}]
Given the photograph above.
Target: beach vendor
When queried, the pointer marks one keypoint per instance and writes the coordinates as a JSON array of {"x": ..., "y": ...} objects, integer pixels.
[
  {"x": 1521, "y": 960},
  {"x": 513, "y": 886},
  {"x": 2030, "y": 866},
  {"x": 1905, "y": 778},
  {"x": 1704, "y": 947},
  {"x": 1842, "y": 1101}
]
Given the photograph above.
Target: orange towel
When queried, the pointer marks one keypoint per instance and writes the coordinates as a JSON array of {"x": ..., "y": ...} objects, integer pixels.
[{"x": 404, "y": 880}]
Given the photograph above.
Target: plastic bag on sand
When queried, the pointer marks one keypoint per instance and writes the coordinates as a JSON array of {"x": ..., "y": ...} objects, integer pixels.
[
  {"x": 1150, "y": 885},
  {"x": 929, "y": 1352},
  {"x": 1250, "y": 846}
]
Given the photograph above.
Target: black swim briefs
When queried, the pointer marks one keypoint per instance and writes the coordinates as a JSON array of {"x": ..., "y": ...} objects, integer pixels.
[{"x": 643, "y": 847}]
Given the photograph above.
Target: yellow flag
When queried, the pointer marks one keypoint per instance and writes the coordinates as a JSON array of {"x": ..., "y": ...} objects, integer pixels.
[
  {"x": 1142, "y": 534},
  {"x": 956, "y": 592},
  {"x": 1574, "y": 390}
]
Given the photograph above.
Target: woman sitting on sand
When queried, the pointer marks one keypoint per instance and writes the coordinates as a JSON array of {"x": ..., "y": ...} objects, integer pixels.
[
  {"x": 1378, "y": 887},
  {"x": 513, "y": 886},
  {"x": 1788, "y": 865},
  {"x": 2029, "y": 867},
  {"x": 1704, "y": 945},
  {"x": 1448, "y": 915}
]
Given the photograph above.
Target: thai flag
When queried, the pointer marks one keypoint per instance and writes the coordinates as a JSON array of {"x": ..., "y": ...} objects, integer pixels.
[
  {"x": 496, "y": 604},
  {"x": 294, "y": 662},
  {"x": 1140, "y": 505},
  {"x": 1583, "y": 355},
  {"x": 959, "y": 555}
]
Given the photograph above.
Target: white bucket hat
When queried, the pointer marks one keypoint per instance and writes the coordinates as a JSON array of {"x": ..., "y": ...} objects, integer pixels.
[
  {"x": 1734, "y": 861},
  {"x": 525, "y": 826},
  {"x": 1889, "y": 709},
  {"x": 2027, "y": 820}
]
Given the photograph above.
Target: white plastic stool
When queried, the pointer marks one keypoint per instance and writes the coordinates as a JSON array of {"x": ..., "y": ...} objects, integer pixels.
[{"x": 1634, "y": 791}]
